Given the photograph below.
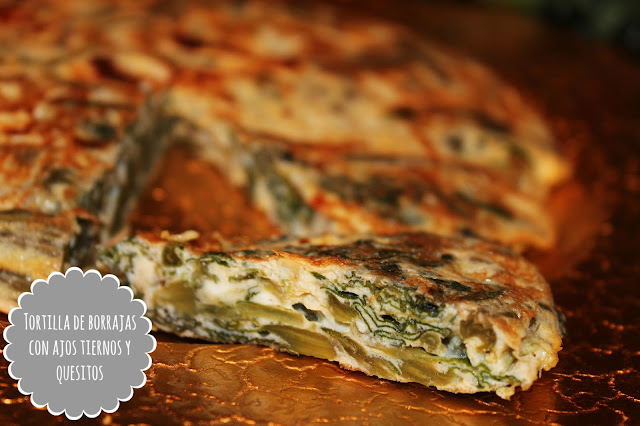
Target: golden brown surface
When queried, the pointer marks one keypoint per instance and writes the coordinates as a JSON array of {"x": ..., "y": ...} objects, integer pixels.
[
  {"x": 469, "y": 153},
  {"x": 591, "y": 95},
  {"x": 89, "y": 92}
]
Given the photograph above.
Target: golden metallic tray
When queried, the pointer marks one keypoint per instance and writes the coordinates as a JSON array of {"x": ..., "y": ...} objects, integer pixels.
[{"x": 591, "y": 96}]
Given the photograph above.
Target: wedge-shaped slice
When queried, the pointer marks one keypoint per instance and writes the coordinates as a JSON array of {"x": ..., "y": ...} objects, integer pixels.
[{"x": 458, "y": 314}]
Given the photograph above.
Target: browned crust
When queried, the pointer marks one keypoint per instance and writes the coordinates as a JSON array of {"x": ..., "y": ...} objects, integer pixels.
[{"x": 74, "y": 76}]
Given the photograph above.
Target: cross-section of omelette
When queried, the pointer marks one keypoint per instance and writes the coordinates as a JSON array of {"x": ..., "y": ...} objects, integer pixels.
[{"x": 462, "y": 315}]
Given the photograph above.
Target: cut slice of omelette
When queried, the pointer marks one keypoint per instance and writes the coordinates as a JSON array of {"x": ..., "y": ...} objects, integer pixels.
[{"x": 462, "y": 315}]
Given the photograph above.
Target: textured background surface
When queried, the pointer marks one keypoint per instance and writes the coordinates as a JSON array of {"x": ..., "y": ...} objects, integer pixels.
[{"x": 591, "y": 95}]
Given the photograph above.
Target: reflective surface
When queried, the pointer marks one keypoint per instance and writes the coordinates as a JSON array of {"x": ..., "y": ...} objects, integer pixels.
[{"x": 591, "y": 95}]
